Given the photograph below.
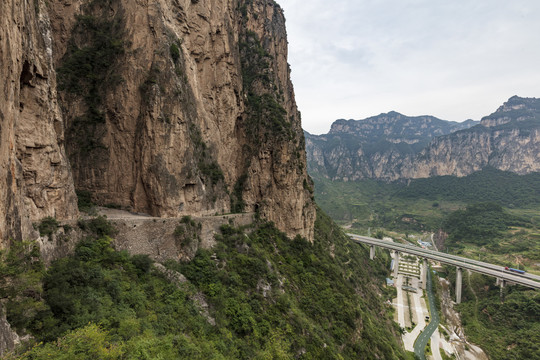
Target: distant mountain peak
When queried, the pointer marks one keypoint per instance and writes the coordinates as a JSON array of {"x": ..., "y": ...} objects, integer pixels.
[
  {"x": 397, "y": 125},
  {"x": 515, "y": 109}
]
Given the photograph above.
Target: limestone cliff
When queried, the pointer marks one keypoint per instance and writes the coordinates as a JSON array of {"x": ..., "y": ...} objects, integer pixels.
[
  {"x": 379, "y": 147},
  {"x": 508, "y": 139},
  {"x": 170, "y": 107},
  {"x": 35, "y": 177}
]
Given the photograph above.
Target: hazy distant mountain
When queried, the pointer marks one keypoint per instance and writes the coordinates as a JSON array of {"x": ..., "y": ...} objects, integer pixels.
[
  {"x": 395, "y": 127},
  {"x": 393, "y": 146}
]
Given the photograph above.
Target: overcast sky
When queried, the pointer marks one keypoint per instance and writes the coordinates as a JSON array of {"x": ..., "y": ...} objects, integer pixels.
[{"x": 454, "y": 60}]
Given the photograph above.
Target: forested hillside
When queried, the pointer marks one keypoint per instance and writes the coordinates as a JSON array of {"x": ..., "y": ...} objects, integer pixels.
[
  {"x": 256, "y": 295},
  {"x": 422, "y": 204},
  {"x": 506, "y": 330},
  {"x": 503, "y": 187}
]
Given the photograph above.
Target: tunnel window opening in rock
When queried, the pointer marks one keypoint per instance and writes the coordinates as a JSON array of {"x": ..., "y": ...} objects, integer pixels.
[{"x": 26, "y": 74}]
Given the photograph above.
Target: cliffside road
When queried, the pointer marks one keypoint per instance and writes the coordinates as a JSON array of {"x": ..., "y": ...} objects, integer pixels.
[
  {"x": 421, "y": 342},
  {"x": 115, "y": 214},
  {"x": 154, "y": 236}
]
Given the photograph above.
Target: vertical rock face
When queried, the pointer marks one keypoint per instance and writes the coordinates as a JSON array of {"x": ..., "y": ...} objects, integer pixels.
[
  {"x": 8, "y": 337},
  {"x": 168, "y": 107},
  {"x": 35, "y": 179}
]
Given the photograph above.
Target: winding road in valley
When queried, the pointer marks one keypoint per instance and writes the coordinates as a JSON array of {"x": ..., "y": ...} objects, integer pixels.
[{"x": 423, "y": 338}]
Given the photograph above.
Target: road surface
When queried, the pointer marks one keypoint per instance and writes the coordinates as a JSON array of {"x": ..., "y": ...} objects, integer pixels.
[
  {"x": 527, "y": 280},
  {"x": 423, "y": 338}
]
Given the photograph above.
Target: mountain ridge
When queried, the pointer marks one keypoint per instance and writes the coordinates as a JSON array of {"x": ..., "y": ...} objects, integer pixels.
[{"x": 394, "y": 147}]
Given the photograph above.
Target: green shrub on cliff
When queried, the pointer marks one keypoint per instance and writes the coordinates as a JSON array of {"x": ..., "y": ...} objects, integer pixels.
[{"x": 48, "y": 226}]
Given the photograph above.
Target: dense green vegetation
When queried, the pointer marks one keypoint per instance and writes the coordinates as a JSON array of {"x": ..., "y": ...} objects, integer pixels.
[
  {"x": 175, "y": 52},
  {"x": 210, "y": 170},
  {"x": 266, "y": 117},
  {"x": 479, "y": 224},
  {"x": 503, "y": 187},
  {"x": 508, "y": 329},
  {"x": 21, "y": 273},
  {"x": 85, "y": 69},
  {"x": 268, "y": 297},
  {"x": 47, "y": 226},
  {"x": 84, "y": 200},
  {"x": 504, "y": 230},
  {"x": 237, "y": 200},
  {"x": 187, "y": 234},
  {"x": 488, "y": 232},
  {"x": 372, "y": 204},
  {"x": 423, "y": 204}
]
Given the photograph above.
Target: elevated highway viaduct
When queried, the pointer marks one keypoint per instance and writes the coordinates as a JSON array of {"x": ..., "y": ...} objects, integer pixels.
[{"x": 502, "y": 276}]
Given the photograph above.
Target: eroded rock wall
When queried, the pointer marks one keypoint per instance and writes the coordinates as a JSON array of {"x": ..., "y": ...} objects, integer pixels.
[
  {"x": 185, "y": 107},
  {"x": 462, "y": 153},
  {"x": 166, "y": 107},
  {"x": 35, "y": 178}
]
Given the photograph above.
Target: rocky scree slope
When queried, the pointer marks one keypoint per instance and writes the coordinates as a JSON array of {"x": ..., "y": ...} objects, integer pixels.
[
  {"x": 393, "y": 147},
  {"x": 164, "y": 107}
]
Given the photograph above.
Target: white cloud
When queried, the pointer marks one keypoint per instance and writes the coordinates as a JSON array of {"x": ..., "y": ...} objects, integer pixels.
[{"x": 451, "y": 59}]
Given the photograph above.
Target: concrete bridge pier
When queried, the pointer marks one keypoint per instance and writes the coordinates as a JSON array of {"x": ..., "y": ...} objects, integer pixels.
[
  {"x": 372, "y": 252},
  {"x": 396, "y": 263},
  {"x": 459, "y": 277},
  {"x": 501, "y": 283},
  {"x": 424, "y": 273}
]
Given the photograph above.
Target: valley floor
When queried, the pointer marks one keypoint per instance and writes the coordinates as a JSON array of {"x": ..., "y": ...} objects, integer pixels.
[{"x": 412, "y": 311}]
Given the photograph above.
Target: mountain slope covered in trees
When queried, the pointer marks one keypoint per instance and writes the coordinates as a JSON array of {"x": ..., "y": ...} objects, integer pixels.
[{"x": 257, "y": 294}]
